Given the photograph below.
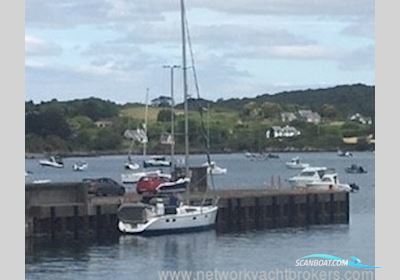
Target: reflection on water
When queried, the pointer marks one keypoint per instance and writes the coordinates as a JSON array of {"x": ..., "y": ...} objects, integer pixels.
[{"x": 137, "y": 257}]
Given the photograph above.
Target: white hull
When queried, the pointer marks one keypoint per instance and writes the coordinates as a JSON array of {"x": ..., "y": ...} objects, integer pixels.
[
  {"x": 132, "y": 166},
  {"x": 42, "y": 181},
  {"x": 217, "y": 171},
  {"x": 51, "y": 164},
  {"x": 80, "y": 167},
  {"x": 199, "y": 217},
  {"x": 291, "y": 165},
  {"x": 300, "y": 183}
]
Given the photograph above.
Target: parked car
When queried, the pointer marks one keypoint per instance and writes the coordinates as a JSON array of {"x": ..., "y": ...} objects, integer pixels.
[
  {"x": 149, "y": 184},
  {"x": 104, "y": 187}
]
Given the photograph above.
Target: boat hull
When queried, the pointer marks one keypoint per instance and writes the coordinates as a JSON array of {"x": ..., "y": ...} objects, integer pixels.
[
  {"x": 296, "y": 166},
  {"x": 196, "y": 220},
  {"x": 77, "y": 167},
  {"x": 51, "y": 164},
  {"x": 132, "y": 166}
]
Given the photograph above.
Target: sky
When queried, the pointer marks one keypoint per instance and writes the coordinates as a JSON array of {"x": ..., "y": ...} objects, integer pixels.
[{"x": 115, "y": 49}]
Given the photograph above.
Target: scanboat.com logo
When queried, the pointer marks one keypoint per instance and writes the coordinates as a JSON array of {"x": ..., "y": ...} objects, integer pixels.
[{"x": 329, "y": 260}]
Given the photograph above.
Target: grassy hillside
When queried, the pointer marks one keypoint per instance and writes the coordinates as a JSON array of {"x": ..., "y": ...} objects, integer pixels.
[
  {"x": 93, "y": 124},
  {"x": 347, "y": 99}
]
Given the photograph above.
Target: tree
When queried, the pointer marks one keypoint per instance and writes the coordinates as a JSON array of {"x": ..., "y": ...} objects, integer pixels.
[
  {"x": 107, "y": 139},
  {"x": 49, "y": 122},
  {"x": 328, "y": 111},
  {"x": 270, "y": 110},
  {"x": 164, "y": 116}
]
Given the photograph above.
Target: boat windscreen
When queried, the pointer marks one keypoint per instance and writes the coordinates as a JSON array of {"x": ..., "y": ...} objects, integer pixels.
[{"x": 132, "y": 213}]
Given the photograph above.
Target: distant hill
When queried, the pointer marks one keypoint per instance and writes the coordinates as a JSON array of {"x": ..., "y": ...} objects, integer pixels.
[{"x": 348, "y": 99}]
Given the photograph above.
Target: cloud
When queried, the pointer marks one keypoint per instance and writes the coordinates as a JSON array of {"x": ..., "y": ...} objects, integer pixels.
[
  {"x": 232, "y": 41},
  {"x": 38, "y": 47},
  {"x": 69, "y": 13},
  {"x": 72, "y": 13},
  {"x": 359, "y": 59},
  {"x": 362, "y": 27},
  {"x": 288, "y": 52},
  {"x": 290, "y": 7}
]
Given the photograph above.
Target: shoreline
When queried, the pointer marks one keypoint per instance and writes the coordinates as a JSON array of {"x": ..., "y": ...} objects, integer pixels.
[{"x": 125, "y": 152}]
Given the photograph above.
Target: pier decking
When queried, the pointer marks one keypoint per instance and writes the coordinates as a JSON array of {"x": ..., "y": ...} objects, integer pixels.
[{"x": 65, "y": 209}]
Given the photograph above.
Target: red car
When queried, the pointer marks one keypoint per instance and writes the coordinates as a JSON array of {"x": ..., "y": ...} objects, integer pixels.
[
  {"x": 149, "y": 184},
  {"x": 160, "y": 184}
]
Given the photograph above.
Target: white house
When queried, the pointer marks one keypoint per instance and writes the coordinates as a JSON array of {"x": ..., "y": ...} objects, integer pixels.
[
  {"x": 360, "y": 119},
  {"x": 279, "y": 132}
]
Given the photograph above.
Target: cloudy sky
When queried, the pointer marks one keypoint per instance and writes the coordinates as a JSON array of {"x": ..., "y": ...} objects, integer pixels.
[{"x": 115, "y": 49}]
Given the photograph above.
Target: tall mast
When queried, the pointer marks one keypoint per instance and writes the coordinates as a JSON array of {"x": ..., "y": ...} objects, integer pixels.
[
  {"x": 185, "y": 90},
  {"x": 208, "y": 126},
  {"x": 172, "y": 67},
  {"x": 145, "y": 121},
  {"x": 172, "y": 119}
]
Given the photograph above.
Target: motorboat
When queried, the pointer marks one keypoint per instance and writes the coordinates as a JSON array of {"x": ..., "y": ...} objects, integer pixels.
[
  {"x": 214, "y": 169},
  {"x": 258, "y": 156},
  {"x": 156, "y": 161},
  {"x": 295, "y": 163},
  {"x": 308, "y": 175},
  {"x": 341, "y": 153},
  {"x": 164, "y": 216},
  {"x": 329, "y": 182},
  {"x": 80, "y": 166},
  {"x": 320, "y": 178},
  {"x": 53, "y": 161},
  {"x": 355, "y": 169},
  {"x": 131, "y": 166},
  {"x": 134, "y": 177},
  {"x": 248, "y": 155},
  {"x": 272, "y": 155},
  {"x": 42, "y": 181}
]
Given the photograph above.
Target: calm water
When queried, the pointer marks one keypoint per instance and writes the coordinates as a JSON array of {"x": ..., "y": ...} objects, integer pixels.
[{"x": 135, "y": 257}]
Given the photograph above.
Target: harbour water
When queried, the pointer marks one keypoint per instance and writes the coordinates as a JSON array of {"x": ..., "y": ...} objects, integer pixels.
[{"x": 135, "y": 257}]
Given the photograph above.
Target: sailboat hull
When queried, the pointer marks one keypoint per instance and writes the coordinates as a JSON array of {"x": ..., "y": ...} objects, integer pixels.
[{"x": 200, "y": 218}]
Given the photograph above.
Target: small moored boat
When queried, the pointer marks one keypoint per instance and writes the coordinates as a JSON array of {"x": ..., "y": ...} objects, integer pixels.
[
  {"x": 272, "y": 155},
  {"x": 355, "y": 169},
  {"x": 53, "y": 161},
  {"x": 341, "y": 153},
  {"x": 295, "y": 163},
  {"x": 131, "y": 166},
  {"x": 80, "y": 166},
  {"x": 214, "y": 169},
  {"x": 156, "y": 161}
]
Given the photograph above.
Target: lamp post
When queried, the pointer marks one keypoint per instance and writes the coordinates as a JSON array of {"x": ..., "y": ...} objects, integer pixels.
[{"x": 172, "y": 67}]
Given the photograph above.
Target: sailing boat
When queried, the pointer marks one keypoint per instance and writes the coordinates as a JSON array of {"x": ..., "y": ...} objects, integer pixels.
[
  {"x": 166, "y": 213},
  {"x": 139, "y": 135}
]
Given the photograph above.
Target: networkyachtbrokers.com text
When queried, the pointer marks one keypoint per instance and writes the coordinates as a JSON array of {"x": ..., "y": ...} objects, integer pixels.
[{"x": 286, "y": 274}]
